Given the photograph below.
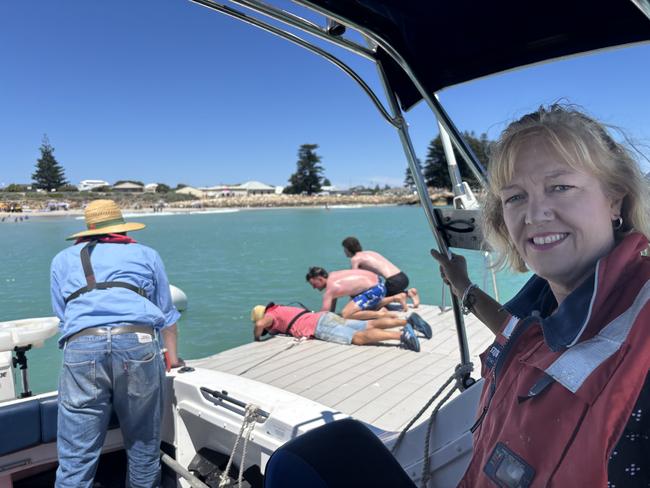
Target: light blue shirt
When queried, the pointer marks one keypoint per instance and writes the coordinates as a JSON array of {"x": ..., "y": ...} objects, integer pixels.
[{"x": 132, "y": 263}]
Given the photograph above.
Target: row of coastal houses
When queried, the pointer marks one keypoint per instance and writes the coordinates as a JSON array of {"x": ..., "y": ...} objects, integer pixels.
[
  {"x": 250, "y": 188},
  {"x": 126, "y": 186}
]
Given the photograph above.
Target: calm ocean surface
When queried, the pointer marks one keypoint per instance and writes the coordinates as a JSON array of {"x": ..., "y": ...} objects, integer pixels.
[{"x": 228, "y": 262}]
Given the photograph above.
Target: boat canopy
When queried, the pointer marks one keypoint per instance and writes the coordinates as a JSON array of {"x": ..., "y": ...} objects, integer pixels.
[{"x": 447, "y": 43}]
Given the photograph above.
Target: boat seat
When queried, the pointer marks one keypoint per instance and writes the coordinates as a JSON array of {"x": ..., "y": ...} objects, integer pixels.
[
  {"x": 340, "y": 454},
  {"x": 32, "y": 422},
  {"x": 21, "y": 426},
  {"x": 49, "y": 407}
]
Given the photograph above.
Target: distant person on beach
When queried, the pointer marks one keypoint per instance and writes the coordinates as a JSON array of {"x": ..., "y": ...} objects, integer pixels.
[
  {"x": 328, "y": 326},
  {"x": 367, "y": 291},
  {"x": 396, "y": 280},
  {"x": 112, "y": 297}
]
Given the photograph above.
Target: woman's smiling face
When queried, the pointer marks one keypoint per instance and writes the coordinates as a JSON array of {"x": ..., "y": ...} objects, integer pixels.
[{"x": 559, "y": 219}]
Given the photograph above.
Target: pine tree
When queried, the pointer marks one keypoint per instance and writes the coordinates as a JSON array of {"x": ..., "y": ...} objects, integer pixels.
[
  {"x": 435, "y": 165},
  {"x": 308, "y": 176},
  {"x": 436, "y": 173},
  {"x": 162, "y": 188},
  {"x": 408, "y": 177},
  {"x": 49, "y": 174}
]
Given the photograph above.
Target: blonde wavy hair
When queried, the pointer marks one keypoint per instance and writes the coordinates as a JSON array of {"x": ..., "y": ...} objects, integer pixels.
[{"x": 584, "y": 144}]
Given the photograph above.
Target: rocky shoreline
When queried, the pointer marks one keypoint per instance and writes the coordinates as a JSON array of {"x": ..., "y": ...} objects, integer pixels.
[
  {"x": 308, "y": 201},
  {"x": 133, "y": 204}
]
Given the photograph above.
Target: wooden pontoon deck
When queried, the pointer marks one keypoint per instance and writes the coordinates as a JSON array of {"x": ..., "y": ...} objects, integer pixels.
[{"x": 381, "y": 385}]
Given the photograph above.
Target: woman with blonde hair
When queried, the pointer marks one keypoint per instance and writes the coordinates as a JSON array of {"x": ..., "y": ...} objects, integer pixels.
[{"x": 566, "y": 396}]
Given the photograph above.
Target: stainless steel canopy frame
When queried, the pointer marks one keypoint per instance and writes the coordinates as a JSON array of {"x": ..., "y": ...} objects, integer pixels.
[
  {"x": 393, "y": 114},
  {"x": 495, "y": 37}
]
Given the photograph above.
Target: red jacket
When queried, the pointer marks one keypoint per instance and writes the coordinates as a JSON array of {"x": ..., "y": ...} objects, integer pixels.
[{"x": 586, "y": 365}]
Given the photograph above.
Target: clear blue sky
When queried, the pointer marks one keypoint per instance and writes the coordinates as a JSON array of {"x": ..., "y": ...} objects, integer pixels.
[{"x": 169, "y": 91}]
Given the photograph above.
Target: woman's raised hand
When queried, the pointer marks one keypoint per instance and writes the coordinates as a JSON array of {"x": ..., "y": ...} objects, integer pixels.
[{"x": 453, "y": 271}]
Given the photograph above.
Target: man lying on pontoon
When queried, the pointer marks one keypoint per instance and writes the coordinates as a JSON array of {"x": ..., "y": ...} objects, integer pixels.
[
  {"x": 328, "y": 326},
  {"x": 366, "y": 290}
]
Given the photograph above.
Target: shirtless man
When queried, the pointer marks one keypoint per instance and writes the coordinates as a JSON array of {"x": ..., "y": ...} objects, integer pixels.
[
  {"x": 396, "y": 281},
  {"x": 366, "y": 291}
]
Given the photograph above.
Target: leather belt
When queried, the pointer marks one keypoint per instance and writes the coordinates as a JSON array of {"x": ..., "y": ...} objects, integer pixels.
[{"x": 118, "y": 329}]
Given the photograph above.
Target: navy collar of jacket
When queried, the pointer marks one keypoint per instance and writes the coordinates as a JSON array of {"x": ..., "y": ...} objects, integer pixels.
[{"x": 564, "y": 327}]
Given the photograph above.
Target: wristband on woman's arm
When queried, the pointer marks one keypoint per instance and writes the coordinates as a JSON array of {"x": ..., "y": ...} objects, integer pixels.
[{"x": 467, "y": 301}]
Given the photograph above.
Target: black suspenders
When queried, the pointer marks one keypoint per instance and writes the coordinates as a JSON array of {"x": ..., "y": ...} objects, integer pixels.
[
  {"x": 298, "y": 315},
  {"x": 90, "y": 277},
  {"x": 293, "y": 320}
]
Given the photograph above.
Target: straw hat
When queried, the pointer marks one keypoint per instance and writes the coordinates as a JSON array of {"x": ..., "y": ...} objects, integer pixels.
[
  {"x": 105, "y": 217},
  {"x": 258, "y": 312}
]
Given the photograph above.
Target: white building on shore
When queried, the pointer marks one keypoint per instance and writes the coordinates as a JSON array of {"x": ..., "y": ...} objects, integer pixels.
[
  {"x": 219, "y": 191},
  {"x": 257, "y": 188},
  {"x": 190, "y": 190},
  {"x": 87, "y": 185},
  {"x": 128, "y": 187},
  {"x": 250, "y": 188},
  {"x": 328, "y": 190}
]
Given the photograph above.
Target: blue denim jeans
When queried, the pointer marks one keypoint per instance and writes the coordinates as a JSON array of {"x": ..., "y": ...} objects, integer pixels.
[
  {"x": 123, "y": 372},
  {"x": 334, "y": 328}
]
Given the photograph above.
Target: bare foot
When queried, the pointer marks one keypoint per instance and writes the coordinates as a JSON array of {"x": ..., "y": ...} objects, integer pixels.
[{"x": 415, "y": 296}]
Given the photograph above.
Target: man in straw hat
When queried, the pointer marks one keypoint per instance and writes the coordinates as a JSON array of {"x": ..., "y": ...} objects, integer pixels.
[
  {"x": 328, "y": 326},
  {"x": 112, "y": 297}
]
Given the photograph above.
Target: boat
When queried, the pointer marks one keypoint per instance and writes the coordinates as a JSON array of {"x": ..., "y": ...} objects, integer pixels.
[{"x": 227, "y": 415}]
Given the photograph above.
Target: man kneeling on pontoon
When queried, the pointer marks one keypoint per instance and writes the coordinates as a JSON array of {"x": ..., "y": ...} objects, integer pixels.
[
  {"x": 327, "y": 326},
  {"x": 397, "y": 283},
  {"x": 367, "y": 292}
]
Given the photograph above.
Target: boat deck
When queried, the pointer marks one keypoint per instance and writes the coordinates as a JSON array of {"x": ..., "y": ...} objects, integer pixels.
[{"x": 382, "y": 385}]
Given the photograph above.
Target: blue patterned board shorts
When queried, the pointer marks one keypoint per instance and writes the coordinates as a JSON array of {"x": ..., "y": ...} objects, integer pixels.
[
  {"x": 334, "y": 328},
  {"x": 370, "y": 298}
]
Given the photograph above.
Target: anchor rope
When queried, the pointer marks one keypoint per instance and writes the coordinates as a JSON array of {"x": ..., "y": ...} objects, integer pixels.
[
  {"x": 426, "y": 467},
  {"x": 247, "y": 436},
  {"x": 248, "y": 423},
  {"x": 460, "y": 372}
]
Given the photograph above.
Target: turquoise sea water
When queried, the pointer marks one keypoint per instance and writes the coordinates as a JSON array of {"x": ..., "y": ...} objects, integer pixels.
[{"x": 228, "y": 262}]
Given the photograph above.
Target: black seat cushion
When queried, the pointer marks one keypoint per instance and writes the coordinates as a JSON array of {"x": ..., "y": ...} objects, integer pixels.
[{"x": 340, "y": 454}]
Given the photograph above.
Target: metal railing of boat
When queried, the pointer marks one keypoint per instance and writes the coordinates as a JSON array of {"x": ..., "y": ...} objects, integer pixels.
[
  {"x": 331, "y": 33},
  {"x": 178, "y": 468}
]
